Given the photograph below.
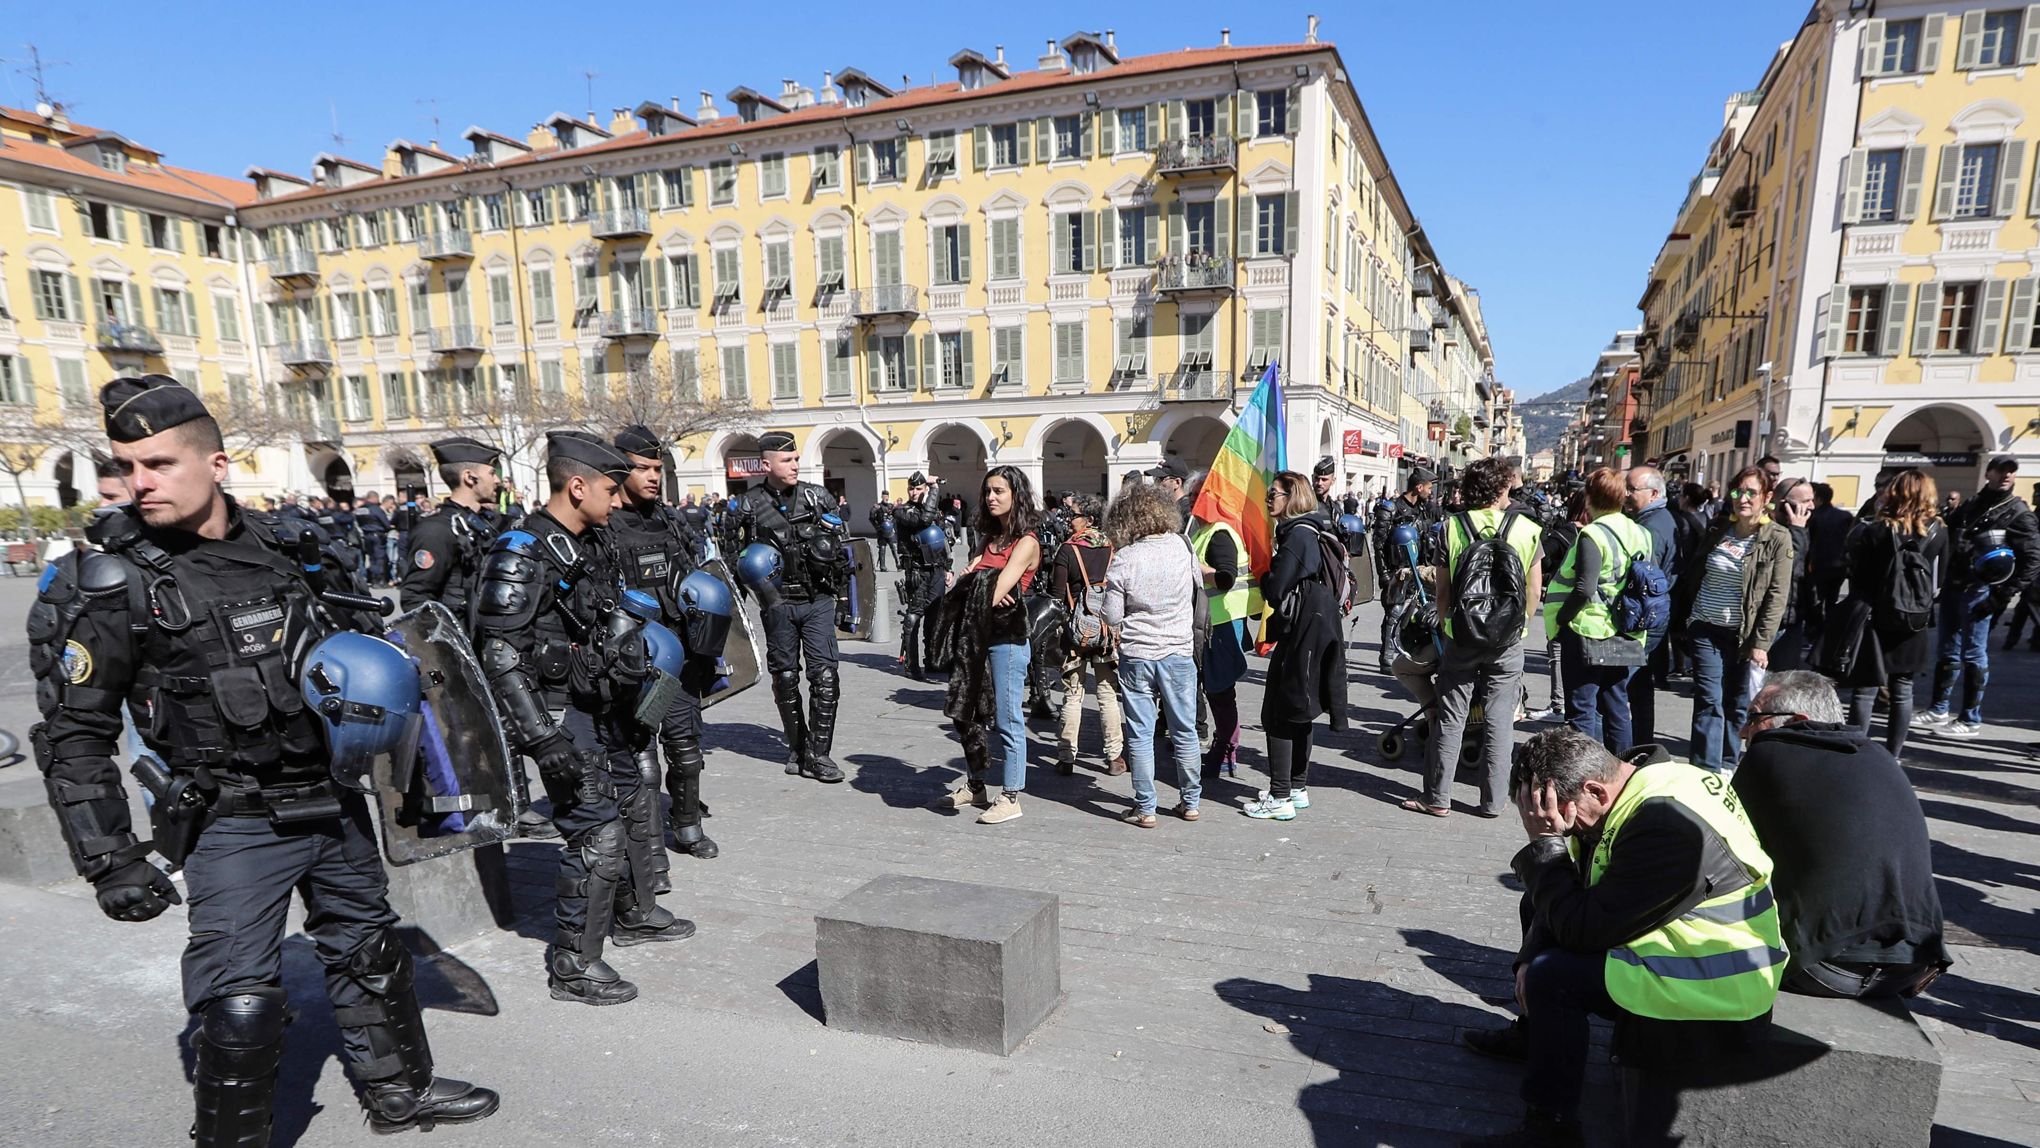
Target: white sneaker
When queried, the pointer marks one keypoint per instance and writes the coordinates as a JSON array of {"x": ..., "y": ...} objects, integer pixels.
[
  {"x": 1962, "y": 729},
  {"x": 1266, "y": 808},
  {"x": 1928, "y": 719},
  {"x": 1299, "y": 798}
]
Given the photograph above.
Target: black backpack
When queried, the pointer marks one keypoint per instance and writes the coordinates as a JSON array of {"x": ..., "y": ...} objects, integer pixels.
[
  {"x": 1909, "y": 582},
  {"x": 1489, "y": 596}
]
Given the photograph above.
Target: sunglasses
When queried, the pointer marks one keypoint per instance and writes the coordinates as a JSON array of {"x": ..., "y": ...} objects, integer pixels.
[{"x": 1741, "y": 495}]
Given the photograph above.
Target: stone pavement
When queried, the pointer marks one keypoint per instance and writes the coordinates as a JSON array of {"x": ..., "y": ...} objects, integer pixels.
[{"x": 1229, "y": 982}]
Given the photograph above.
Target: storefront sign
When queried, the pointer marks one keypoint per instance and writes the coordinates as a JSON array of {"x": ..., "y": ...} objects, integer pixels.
[
  {"x": 1436, "y": 431},
  {"x": 746, "y": 467},
  {"x": 1395, "y": 450},
  {"x": 1902, "y": 458},
  {"x": 1351, "y": 442}
]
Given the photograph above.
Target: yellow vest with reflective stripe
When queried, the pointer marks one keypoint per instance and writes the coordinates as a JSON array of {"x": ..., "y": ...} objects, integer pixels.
[
  {"x": 1723, "y": 958},
  {"x": 1244, "y": 599},
  {"x": 1593, "y": 621}
]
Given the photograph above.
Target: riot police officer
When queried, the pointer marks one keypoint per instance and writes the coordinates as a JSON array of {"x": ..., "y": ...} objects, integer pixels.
[
  {"x": 1321, "y": 477},
  {"x": 924, "y": 568},
  {"x": 545, "y": 632},
  {"x": 797, "y": 520},
  {"x": 1412, "y": 508},
  {"x": 885, "y": 529},
  {"x": 657, "y": 553},
  {"x": 197, "y": 613}
]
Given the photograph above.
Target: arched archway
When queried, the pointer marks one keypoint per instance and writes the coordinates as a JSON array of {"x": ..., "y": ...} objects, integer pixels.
[
  {"x": 956, "y": 455},
  {"x": 1073, "y": 458},
  {"x": 846, "y": 466},
  {"x": 736, "y": 456},
  {"x": 1953, "y": 438},
  {"x": 1196, "y": 442},
  {"x": 334, "y": 472}
]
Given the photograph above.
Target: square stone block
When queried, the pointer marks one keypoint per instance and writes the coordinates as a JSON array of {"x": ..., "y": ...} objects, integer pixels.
[
  {"x": 1861, "y": 1073},
  {"x": 948, "y": 963}
]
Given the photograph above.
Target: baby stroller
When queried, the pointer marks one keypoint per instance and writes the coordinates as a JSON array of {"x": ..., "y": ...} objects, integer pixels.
[{"x": 1414, "y": 631}]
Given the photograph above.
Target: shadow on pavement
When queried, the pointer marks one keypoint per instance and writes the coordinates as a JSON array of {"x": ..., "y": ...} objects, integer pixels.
[
  {"x": 898, "y": 784},
  {"x": 803, "y": 986}
]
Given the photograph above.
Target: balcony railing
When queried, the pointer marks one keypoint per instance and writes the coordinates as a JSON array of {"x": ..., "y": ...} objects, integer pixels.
[
  {"x": 622, "y": 223},
  {"x": 1196, "y": 385},
  {"x": 1194, "y": 273},
  {"x": 294, "y": 265},
  {"x": 447, "y": 245},
  {"x": 323, "y": 428},
  {"x": 132, "y": 338},
  {"x": 629, "y": 323},
  {"x": 1197, "y": 153},
  {"x": 305, "y": 353},
  {"x": 459, "y": 337},
  {"x": 893, "y": 299}
]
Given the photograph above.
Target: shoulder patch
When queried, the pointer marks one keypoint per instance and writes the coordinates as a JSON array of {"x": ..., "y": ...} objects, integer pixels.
[
  {"x": 77, "y": 662},
  {"x": 422, "y": 559}
]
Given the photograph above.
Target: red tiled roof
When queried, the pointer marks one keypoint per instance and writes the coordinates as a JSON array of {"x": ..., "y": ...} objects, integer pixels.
[
  {"x": 198, "y": 186},
  {"x": 35, "y": 120},
  {"x": 921, "y": 97}
]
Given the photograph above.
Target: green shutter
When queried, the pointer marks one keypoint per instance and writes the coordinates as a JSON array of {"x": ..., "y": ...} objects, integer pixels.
[
  {"x": 1872, "y": 60},
  {"x": 1290, "y": 212},
  {"x": 1990, "y": 328},
  {"x": 1856, "y": 167},
  {"x": 864, "y": 164},
  {"x": 1293, "y": 113},
  {"x": 2012, "y": 165},
  {"x": 1179, "y": 231},
  {"x": 910, "y": 354},
  {"x": 1108, "y": 131},
  {"x": 1157, "y": 116},
  {"x": 1944, "y": 184},
  {"x": 2019, "y": 327},
  {"x": 1930, "y": 44},
  {"x": 1923, "y": 319},
  {"x": 1044, "y": 139},
  {"x": 1090, "y": 224},
  {"x": 1022, "y": 132},
  {"x": 1085, "y": 128},
  {"x": 1891, "y": 340},
  {"x": 2029, "y": 36},
  {"x": 980, "y": 148},
  {"x": 1151, "y": 223},
  {"x": 1221, "y": 224},
  {"x": 1108, "y": 239},
  {"x": 1913, "y": 173},
  {"x": 1245, "y": 110},
  {"x": 969, "y": 359},
  {"x": 874, "y": 378},
  {"x": 963, "y": 252}
]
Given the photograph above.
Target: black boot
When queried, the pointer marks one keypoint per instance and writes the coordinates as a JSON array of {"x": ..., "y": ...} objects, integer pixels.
[
  {"x": 786, "y": 694},
  {"x": 575, "y": 976},
  {"x": 575, "y": 970},
  {"x": 396, "y": 1107},
  {"x": 635, "y": 926},
  {"x": 910, "y": 647},
  {"x": 817, "y": 764},
  {"x": 530, "y": 822},
  {"x": 239, "y": 1045},
  {"x": 398, "y": 1090},
  {"x": 683, "y": 782}
]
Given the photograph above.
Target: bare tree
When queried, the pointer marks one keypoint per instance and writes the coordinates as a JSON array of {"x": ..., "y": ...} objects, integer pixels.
[
  {"x": 28, "y": 435},
  {"x": 652, "y": 396},
  {"x": 250, "y": 421}
]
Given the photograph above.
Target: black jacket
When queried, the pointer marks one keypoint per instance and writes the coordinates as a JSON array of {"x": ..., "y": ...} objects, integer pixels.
[
  {"x": 1994, "y": 510},
  {"x": 1307, "y": 667},
  {"x": 1886, "y": 646},
  {"x": 1853, "y": 866}
]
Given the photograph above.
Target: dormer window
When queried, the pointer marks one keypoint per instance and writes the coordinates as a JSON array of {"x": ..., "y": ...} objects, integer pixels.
[
  {"x": 409, "y": 164},
  {"x": 113, "y": 159},
  {"x": 1084, "y": 61},
  {"x": 971, "y": 77},
  {"x": 854, "y": 96},
  {"x": 567, "y": 137}
]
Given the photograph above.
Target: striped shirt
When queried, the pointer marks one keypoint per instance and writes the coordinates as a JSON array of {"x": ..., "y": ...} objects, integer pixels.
[{"x": 1721, "y": 587}]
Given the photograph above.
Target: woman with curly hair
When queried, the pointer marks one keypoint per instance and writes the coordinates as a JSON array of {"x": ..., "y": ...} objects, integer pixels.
[{"x": 1150, "y": 593}]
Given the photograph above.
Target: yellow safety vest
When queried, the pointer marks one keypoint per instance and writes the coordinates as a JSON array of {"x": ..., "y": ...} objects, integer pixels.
[
  {"x": 1621, "y": 541},
  {"x": 1723, "y": 958},
  {"x": 1244, "y": 599}
]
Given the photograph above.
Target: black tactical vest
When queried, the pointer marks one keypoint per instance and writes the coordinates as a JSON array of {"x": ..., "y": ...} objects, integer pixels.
[
  {"x": 791, "y": 523},
  {"x": 651, "y": 552},
  {"x": 473, "y": 534}
]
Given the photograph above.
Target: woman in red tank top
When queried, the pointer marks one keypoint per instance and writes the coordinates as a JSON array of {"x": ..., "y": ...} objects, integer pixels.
[{"x": 1007, "y": 518}]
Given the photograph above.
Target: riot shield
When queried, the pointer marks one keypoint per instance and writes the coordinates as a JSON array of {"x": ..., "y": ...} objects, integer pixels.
[
  {"x": 743, "y": 656},
  {"x": 455, "y": 793},
  {"x": 1360, "y": 567},
  {"x": 863, "y": 589}
]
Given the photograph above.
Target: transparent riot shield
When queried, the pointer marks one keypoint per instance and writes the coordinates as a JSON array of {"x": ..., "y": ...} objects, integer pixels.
[
  {"x": 455, "y": 793},
  {"x": 743, "y": 657},
  {"x": 863, "y": 589}
]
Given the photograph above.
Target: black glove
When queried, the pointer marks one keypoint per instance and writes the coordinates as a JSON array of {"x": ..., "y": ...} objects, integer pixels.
[
  {"x": 582, "y": 772},
  {"x": 846, "y": 619},
  {"x": 137, "y": 891}
]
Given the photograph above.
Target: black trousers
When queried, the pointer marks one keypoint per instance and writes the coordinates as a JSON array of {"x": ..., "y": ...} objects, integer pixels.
[
  {"x": 579, "y": 810},
  {"x": 801, "y": 632},
  {"x": 238, "y": 882},
  {"x": 1644, "y": 685},
  {"x": 1560, "y": 991}
]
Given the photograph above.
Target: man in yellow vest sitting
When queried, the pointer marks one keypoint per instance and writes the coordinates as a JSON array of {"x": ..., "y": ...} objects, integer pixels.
[{"x": 1646, "y": 895}]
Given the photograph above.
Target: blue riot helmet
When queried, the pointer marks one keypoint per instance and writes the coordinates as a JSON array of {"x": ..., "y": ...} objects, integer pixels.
[
  {"x": 1995, "y": 561},
  {"x": 1405, "y": 540},
  {"x": 640, "y": 605},
  {"x": 370, "y": 700},
  {"x": 758, "y": 567},
  {"x": 934, "y": 545},
  {"x": 664, "y": 655},
  {"x": 1351, "y": 526},
  {"x": 707, "y": 607}
]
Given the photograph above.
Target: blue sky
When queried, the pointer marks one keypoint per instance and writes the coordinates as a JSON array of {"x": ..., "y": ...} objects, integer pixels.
[{"x": 1545, "y": 147}]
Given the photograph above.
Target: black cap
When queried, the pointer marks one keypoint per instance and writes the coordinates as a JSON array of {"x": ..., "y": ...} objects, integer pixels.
[
  {"x": 1324, "y": 467},
  {"x": 639, "y": 440},
  {"x": 587, "y": 450},
  {"x": 775, "y": 440},
  {"x": 460, "y": 449},
  {"x": 916, "y": 479},
  {"x": 2005, "y": 462},
  {"x": 1170, "y": 468},
  {"x": 137, "y": 408},
  {"x": 1420, "y": 475}
]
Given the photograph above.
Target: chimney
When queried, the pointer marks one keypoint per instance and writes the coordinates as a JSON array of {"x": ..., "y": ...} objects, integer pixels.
[
  {"x": 1310, "y": 30},
  {"x": 1052, "y": 59},
  {"x": 541, "y": 138},
  {"x": 675, "y": 102},
  {"x": 1110, "y": 45},
  {"x": 828, "y": 92},
  {"x": 621, "y": 121},
  {"x": 1225, "y": 37},
  {"x": 708, "y": 110},
  {"x": 999, "y": 54}
]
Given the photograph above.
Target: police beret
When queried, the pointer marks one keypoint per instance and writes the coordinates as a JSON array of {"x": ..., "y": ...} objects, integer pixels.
[
  {"x": 775, "y": 440},
  {"x": 460, "y": 449},
  {"x": 587, "y": 450},
  {"x": 917, "y": 479},
  {"x": 1421, "y": 475},
  {"x": 137, "y": 408},
  {"x": 639, "y": 440},
  {"x": 1324, "y": 466}
]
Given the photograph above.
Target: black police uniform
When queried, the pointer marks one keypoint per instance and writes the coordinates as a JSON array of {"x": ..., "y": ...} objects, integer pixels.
[
  {"x": 885, "y": 528},
  {"x": 1389, "y": 558},
  {"x": 800, "y": 626},
  {"x": 375, "y": 536},
  {"x": 203, "y": 639},
  {"x": 446, "y": 555},
  {"x": 542, "y": 613},
  {"x": 922, "y": 578}
]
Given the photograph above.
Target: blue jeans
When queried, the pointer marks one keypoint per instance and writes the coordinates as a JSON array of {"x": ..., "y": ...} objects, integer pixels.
[
  {"x": 1170, "y": 686},
  {"x": 1965, "y": 648},
  {"x": 1560, "y": 990},
  {"x": 1009, "y": 700},
  {"x": 1596, "y": 697},
  {"x": 1721, "y": 687}
]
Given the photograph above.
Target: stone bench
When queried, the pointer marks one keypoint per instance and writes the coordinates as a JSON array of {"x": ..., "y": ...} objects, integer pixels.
[
  {"x": 963, "y": 966},
  {"x": 1861, "y": 1073}
]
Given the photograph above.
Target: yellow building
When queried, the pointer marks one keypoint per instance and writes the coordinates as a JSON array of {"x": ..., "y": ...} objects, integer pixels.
[{"x": 1853, "y": 283}]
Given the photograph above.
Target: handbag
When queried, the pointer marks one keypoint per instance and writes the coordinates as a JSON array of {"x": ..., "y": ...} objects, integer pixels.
[{"x": 1616, "y": 651}]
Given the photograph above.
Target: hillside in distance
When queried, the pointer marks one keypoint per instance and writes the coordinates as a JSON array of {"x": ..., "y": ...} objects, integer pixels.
[{"x": 1543, "y": 424}]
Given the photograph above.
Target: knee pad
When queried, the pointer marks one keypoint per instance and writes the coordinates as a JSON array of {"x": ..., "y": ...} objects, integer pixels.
[
  {"x": 381, "y": 965},
  {"x": 602, "y": 850},
  {"x": 242, "y": 1034},
  {"x": 824, "y": 683},
  {"x": 648, "y": 769},
  {"x": 683, "y": 756},
  {"x": 785, "y": 683}
]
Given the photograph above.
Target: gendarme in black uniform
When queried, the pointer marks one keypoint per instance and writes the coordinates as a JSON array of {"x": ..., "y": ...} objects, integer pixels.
[
  {"x": 1409, "y": 508},
  {"x": 922, "y": 578},
  {"x": 542, "y": 610},
  {"x": 203, "y": 638},
  {"x": 447, "y": 548},
  {"x": 801, "y": 625},
  {"x": 656, "y": 548}
]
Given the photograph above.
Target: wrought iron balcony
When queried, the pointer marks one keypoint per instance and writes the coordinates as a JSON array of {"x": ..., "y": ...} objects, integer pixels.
[
  {"x": 622, "y": 223},
  {"x": 322, "y": 427},
  {"x": 1197, "y": 153},
  {"x": 130, "y": 338},
  {"x": 305, "y": 353},
  {"x": 459, "y": 337},
  {"x": 1197, "y": 385},
  {"x": 1420, "y": 283},
  {"x": 879, "y": 302},
  {"x": 1191, "y": 273},
  {"x": 630, "y": 323},
  {"x": 447, "y": 245},
  {"x": 294, "y": 265}
]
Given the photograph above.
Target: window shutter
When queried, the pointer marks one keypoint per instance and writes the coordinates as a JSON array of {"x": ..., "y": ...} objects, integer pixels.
[
  {"x": 963, "y": 253},
  {"x": 980, "y": 148},
  {"x": 2029, "y": 36},
  {"x": 1944, "y": 184},
  {"x": 2019, "y": 330},
  {"x": 1970, "y": 46},
  {"x": 1221, "y": 116},
  {"x": 1021, "y": 134},
  {"x": 1290, "y": 212},
  {"x": 1221, "y": 223},
  {"x": 911, "y": 350},
  {"x": 1157, "y": 119},
  {"x": 1837, "y": 321},
  {"x": 1930, "y": 44},
  {"x": 1857, "y": 167},
  {"x": 2010, "y": 167},
  {"x": 2033, "y": 205},
  {"x": 1085, "y": 129},
  {"x": 1990, "y": 328},
  {"x": 1923, "y": 318},
  {"x": 1872, "y": 63},
  {"x": 1151, "y": 221},
  {"x": 969, "y": 361},
  {"x": 1250, "y": 211},
  {"x": 1891, "y": 340},
  {"x": 1108, "y": 245},
  {"x": 1179, "y": 231},
  {"x": 874, "y": 376},
  {"x": 1913, "y": 172},
  {"x": 1289, "y": 117},
  {"x": 664, "y": 288},
  {"x": 1246, "y": 109},
  {"x": 1090, "y": 224},
  {"x": 140, "y": 317},
  {"x": 864, "y": 164},
  {"x": 1044, "y": 139},
  {"x": 1108, "y": 131}
]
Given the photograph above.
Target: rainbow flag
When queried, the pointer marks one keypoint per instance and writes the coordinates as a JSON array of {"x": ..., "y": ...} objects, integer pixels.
[{"x": 1236, "y": 490}]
